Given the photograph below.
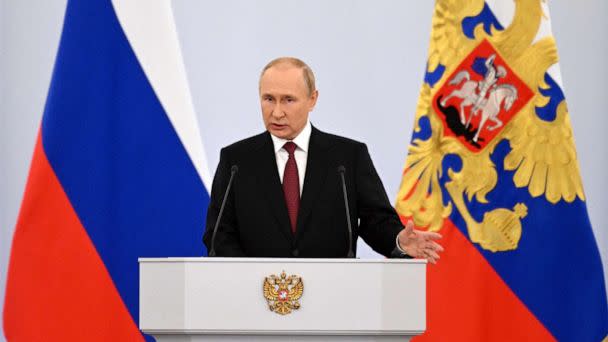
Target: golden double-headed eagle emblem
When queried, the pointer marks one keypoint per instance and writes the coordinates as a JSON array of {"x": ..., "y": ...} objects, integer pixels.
[
  {"x": 283, "y": 292},
  {"x": 469, "y": 117}
]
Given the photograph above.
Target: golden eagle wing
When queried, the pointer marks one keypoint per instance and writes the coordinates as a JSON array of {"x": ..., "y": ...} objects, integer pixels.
[
  {"x": 543, "y": 156},
  {"x": 296, "y": 290},
  {"x": 448, "y": 42},
  {"x": 270, "y": 292}
]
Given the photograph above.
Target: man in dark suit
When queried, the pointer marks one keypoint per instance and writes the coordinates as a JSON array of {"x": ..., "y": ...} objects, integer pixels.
[{"x": 287, "y": 199}]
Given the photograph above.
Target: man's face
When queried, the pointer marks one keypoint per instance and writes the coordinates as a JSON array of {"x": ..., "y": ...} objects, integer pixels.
[{"x": 285, "y": 100}]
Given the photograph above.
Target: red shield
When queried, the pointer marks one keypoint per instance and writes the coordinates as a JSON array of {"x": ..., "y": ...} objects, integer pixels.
[{"x": 480, "y": 97}]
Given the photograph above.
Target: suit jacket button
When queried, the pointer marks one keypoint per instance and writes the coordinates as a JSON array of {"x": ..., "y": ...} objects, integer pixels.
[{"x": 295, "y": 252}]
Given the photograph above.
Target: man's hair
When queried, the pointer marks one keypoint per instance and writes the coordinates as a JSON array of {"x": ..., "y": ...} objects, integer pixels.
[{"x": 309, "y": 76}]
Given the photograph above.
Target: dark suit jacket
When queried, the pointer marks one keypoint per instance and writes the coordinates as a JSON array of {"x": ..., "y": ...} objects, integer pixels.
[{"x": 255, "y": 222}]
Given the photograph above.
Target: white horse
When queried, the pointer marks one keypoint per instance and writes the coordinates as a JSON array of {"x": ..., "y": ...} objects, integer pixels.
[
  {"x": 466, "y": 93},
  {"x": 491, "y": 107}
]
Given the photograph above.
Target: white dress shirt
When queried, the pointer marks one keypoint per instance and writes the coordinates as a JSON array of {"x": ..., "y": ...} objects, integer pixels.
[{"x": 301, "y": 153}]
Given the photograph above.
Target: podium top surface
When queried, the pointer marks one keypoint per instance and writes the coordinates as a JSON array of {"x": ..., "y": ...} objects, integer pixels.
[{"x": 282, "y": 260}]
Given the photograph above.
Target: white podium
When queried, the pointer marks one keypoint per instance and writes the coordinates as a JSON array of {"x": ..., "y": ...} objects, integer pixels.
[{"x": 222, "y": 299}]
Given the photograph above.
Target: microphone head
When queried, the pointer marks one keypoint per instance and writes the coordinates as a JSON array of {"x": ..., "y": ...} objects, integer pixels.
[
  {"x": 341, "y": 169},
  {"x": 234, "y": 169}
]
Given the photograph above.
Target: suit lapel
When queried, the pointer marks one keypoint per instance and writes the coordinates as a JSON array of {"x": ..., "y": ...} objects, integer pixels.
[
  {"x": 271, "y": 185},
  {"x": 316, "y": 173}
]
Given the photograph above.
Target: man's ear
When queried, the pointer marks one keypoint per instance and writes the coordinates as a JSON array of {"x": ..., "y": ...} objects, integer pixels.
[{"x": 313, "y": 100}]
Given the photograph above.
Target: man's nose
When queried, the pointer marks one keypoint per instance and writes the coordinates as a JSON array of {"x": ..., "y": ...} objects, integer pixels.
[{"x": 277, "y": 112}]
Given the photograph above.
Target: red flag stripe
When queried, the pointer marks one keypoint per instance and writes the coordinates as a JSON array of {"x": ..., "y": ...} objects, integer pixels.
[
  {"x": 468, "y": 301},
  {"x": 56, "y": 280}
]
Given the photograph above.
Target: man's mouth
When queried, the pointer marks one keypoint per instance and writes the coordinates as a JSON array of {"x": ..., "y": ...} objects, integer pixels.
[{"x": 277, "y": 126}]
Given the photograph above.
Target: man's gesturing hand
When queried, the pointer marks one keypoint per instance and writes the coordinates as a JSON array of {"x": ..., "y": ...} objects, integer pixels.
[{"x": 419, "y": 244}]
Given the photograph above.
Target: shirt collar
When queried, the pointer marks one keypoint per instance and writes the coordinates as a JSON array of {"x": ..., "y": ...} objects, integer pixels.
[{"x": 301, "y": 140}]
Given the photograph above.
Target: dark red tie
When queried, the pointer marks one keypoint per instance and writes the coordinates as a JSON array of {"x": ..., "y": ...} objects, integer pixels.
[{"x": 291, "y": 185}]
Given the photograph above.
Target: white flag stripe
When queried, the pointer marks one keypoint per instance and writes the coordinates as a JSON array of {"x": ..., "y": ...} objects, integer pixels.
[{"x": 150, "y": 29}]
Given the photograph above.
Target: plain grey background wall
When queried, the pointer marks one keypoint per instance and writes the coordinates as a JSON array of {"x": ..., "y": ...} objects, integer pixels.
[{"x": 368, "y": 56}]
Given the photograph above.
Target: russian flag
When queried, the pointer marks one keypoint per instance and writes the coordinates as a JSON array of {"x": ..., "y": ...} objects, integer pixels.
[{"x": 118, "y": 173}]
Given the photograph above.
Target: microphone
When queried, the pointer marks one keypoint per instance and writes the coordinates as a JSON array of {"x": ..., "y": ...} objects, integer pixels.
[
  {"x": 350, "y": 254},
  {"x": 233, "y": 170}
]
